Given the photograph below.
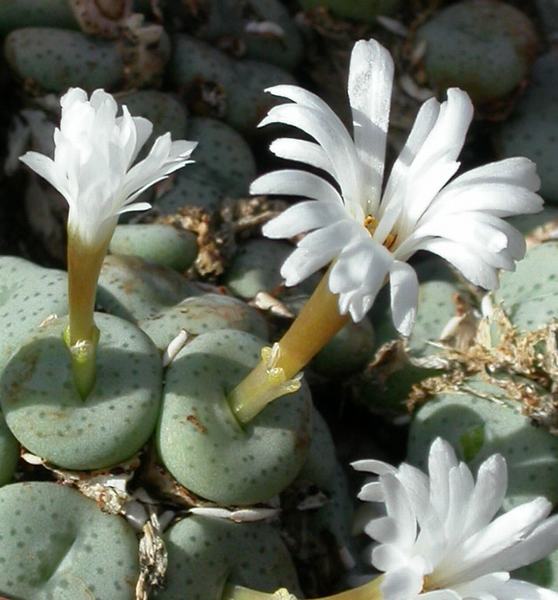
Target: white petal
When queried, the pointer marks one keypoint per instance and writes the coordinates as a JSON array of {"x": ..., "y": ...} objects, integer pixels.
[
  {"x": 46, "y": 168},
  {"x": 135, "y": 206},
  {"x": 521, "y": 590},
  {"x": 371, "y": 465},
  {"x": 93, "y": 152},
  {"x": 472, "y": 265},
  {"x": 401, "y": 584},
  {"x": 388, "y": 557},
  {"x": 480, "y": 554},
  {"x": 349, "y": 271},
  {"x": 293, "y": 182},
  {"x": 370, "y": 82},
  {"x": 518, "y": 171},
  {"x": 435, "y": 162},
  {"x": 302, "y": 217},
  {"x": 127, "y": 137},
  {"x": 371, "y": 492},
  {"x": 360, "y": 300},
  {"x": 144, "y": 128},
  {"x": 416, "y": 484},
  {"x": 461, "y": 486},
  {"x": 404, "y": 296},
  {"x": 164, "y": 158},
  {"x": 496, "y": 241},
  {"x": 303, "y": 151},
  {"x": 396, "y": 187},
  {"x": 441, "y": 459},
  {"x": 441, "y": 595},
  {"x": 488, "y": 493},
  {"x": 305, "y": 98},
  {"x": 400, "y": 510},
  {"x": 315, "y": 251},
  {"x": 358, "y": 274},
  {"x": 73, "y": 96},
  {"x": 383, "y": 529},
  {"x": 337, "y": 144},
  {"x": 495, "y": 198},
  {"x": 540, "y": 543},
  {"x": 482, "y": 586}
]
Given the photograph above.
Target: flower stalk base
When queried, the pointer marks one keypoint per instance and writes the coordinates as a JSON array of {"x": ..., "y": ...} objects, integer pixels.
[
  {"x": 82, "y": 335},
  {"x": 278, "y": 372},
  {"x": 83, "y": 355},
  {"x": 368, "y": 591}
]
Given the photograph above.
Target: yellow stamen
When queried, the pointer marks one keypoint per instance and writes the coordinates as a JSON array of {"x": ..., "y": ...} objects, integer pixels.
[{"x": 371, "y": 224}]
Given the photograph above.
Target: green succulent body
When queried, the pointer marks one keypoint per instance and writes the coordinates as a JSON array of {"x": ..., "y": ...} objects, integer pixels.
[
  {"x": 482, "y": 46},
  {"x": 484, "y": 421},
  {"x": 9, "y": 452},
  {"x": 47, "y": 415},
  {"x": 162, "y": 245},
  {"x": 53, "y": 59},
  {"x": 207, "y": 553},
  {"x": 201, "y": 314},
  {"x": 532, "y": 129},
  {"x": 15, "y": 14},
  {"x": 529, "y": 295},
  {"x": 359, "y": 10},
  {"x": 202, "y": 444},
  {"x": 133, "y": 289},
  {"x": 57, "y": 545}
]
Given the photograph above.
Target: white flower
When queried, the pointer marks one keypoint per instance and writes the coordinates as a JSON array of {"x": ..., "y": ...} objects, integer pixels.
[
  {"x": 92, "y": 166},
  {"x": 439, "y": 540},
  {"x": 370, "y": 235}
]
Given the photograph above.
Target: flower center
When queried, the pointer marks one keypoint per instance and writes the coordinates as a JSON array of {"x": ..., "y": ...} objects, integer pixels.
[{"x": 371, "y": 224}]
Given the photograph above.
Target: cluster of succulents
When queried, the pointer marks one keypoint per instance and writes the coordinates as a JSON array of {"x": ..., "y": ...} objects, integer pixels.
[{"x": 190, "y": 499}]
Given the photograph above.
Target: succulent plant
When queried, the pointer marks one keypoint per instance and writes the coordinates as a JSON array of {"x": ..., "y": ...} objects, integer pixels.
[
  {"x": 15, "y": 14},
  {"x": 548, "y": 13},
  {"x": 485, "y": 47},
  {"x": 323, "y": 470},
  {"x": 80, "y": 552},
  {"x": 543, "y": 573},
  {"x": 528, "y": 223},
  {"x": 195, "y": 62},
  {"x": 349, "y": 351},
  {"x": 201, "y": 443},
  {"x": 200, "y": 314},
  {"x": 529, "y": 295},
  {"x": 28, "y": 295},
  {"x": 9, "y": 452},
  {"x": 206, "y": 554},
  {"x": 247, "y": 102},
  {"x": 158, "y": 244},
  {"x": 260, "y": 29},
  {"x": 481, "y": 420},
  {"x": 360, "y": 10},
  {"x": 224, "y": 153},
  {"x": 48, "y": 416},
  {"x": 219, "y": 85},
  {"x": 532, "y": 129},
  {"x": 437, "y": 294},
  {"x": 195, "y": 187},
  {"x": 133, "y": 289},
  {"x": 271, "y": 34},
  {"x": 165, "y": 111},
  {"x": 52, "y": 59},
  {"x": 255, "y": 267}
]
